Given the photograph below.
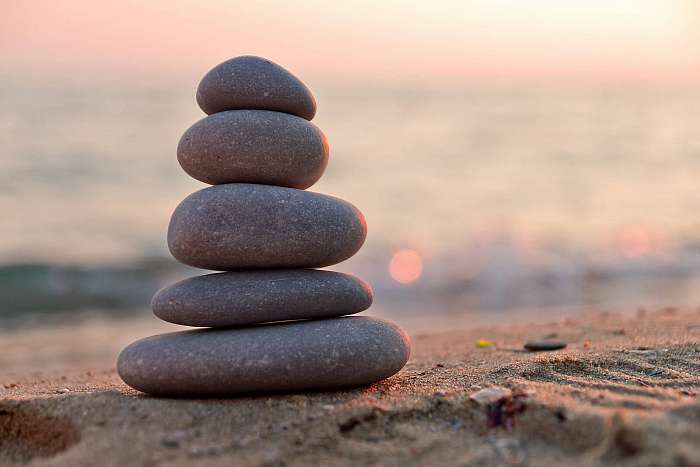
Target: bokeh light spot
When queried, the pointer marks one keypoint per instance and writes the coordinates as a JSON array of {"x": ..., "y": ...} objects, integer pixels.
[{"x": 406, "y": 266}]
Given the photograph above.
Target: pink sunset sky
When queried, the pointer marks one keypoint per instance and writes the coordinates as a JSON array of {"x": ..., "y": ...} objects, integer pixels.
[{"x": 357, "y": 40}]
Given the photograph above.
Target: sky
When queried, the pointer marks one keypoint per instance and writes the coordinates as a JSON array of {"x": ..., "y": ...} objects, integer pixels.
[{"x": 358, "y": 40}]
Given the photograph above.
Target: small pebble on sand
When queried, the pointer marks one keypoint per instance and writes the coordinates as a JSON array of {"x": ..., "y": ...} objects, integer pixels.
[{"x": 544, "y": 345}]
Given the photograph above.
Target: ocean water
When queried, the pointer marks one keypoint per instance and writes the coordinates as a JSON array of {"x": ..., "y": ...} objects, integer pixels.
[{"x": 514, "y": 196}]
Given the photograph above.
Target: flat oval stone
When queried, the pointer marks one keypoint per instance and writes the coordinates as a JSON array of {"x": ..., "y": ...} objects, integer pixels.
[
  {"x": 244, "y": 226},
  {"x": 254, "y": 146},
  {"x": 301, "y": 355},
  {"x": 250, "y": 82},
  {"x": 250, "y": 297}
]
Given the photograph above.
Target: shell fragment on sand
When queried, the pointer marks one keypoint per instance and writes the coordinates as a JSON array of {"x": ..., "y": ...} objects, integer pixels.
[
  {"x": 301, "y": 355},
  {"x": 251, "y": 297}
]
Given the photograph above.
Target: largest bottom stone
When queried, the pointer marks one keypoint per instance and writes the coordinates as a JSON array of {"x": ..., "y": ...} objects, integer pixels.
[{"x": 318, "y": 354}]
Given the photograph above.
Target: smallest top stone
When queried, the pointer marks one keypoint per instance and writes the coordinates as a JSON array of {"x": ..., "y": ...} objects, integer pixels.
[{"x": 250, "y": 82}]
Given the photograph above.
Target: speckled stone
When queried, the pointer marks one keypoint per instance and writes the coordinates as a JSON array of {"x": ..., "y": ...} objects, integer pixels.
[
  {"x": 250, "y": 297},
  {"x": 250, "y": 82},
  {"x": 300, "y": 355},
  {"x": 254, "y": 146},
  {"x": 245, "y": 226}
]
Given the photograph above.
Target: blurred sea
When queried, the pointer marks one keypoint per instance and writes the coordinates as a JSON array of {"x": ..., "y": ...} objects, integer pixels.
[{"x": 516, "y": 196}]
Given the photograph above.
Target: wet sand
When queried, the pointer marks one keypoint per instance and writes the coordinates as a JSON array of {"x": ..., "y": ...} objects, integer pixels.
[{"x": 623, "y": 392}]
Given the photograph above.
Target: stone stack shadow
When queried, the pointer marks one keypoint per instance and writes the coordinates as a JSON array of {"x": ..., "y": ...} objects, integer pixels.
[{"x": 273, "y": 321}]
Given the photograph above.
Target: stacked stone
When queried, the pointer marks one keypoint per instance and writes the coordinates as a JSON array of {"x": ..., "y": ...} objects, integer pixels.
[{"x": 274, "y": 323}]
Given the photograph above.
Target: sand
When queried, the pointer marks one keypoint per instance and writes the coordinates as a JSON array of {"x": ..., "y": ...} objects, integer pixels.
[{"x": 624, "y": 392}]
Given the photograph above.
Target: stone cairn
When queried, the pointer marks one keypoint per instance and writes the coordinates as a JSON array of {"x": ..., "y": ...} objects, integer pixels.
[{"x": 273, "y": 322}]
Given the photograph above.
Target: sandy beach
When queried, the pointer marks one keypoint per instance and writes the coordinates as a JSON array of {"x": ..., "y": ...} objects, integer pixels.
[
  {"x": 504, "y": 193},
  {"x": 623, "y": 392}
]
